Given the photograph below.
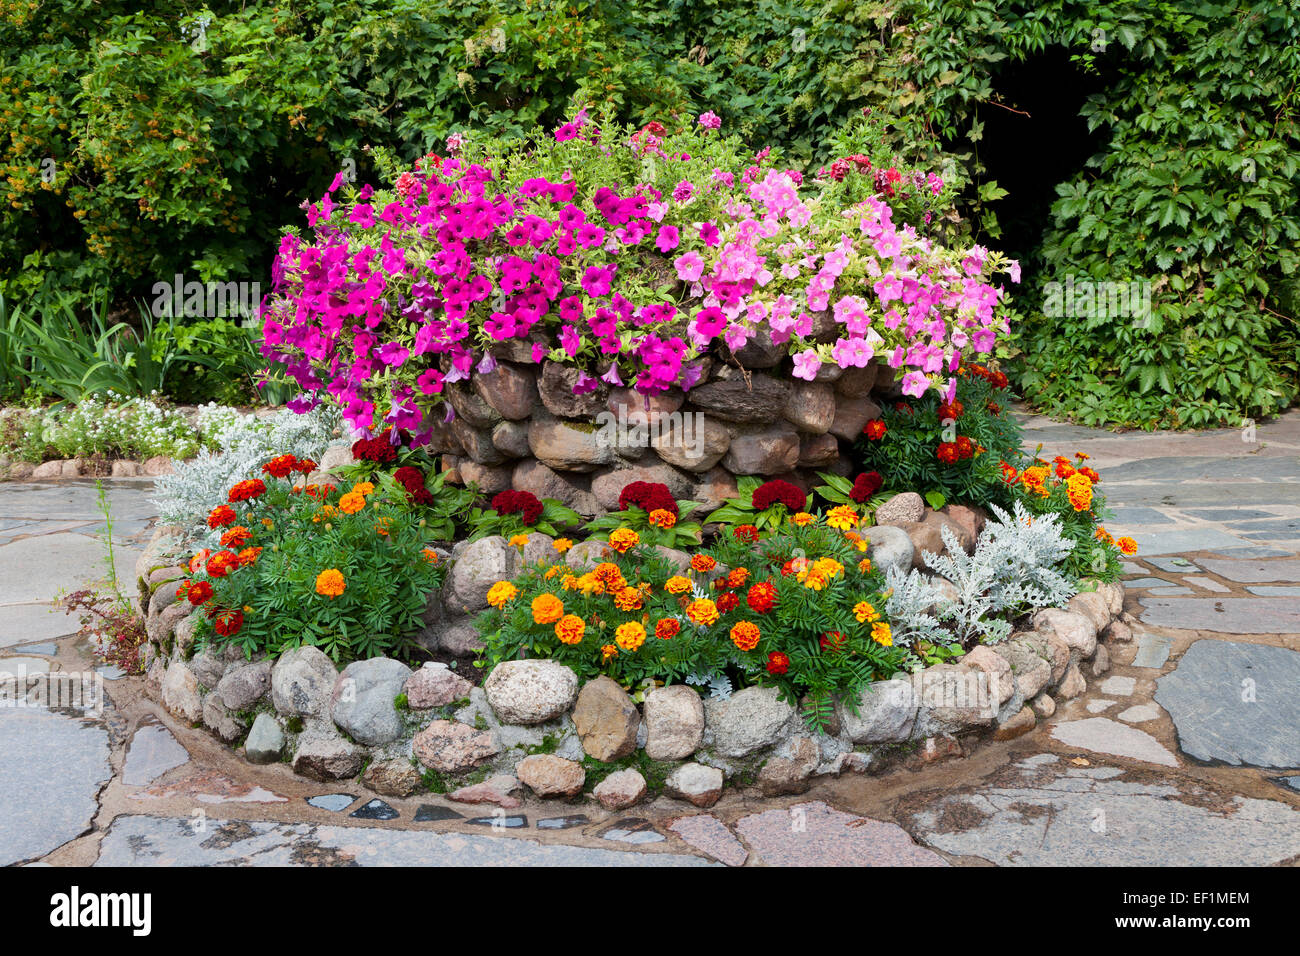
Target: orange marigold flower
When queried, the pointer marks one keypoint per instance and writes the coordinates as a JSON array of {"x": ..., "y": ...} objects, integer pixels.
[
  {"x": 248, "y": 556},
  {"x": 677, "y": 584},
  {"x": 430, "y": 555},
  {"x": 745, "y": 635},
  {"x": 703, "y": 612},
  {"x": 247, "y": 490},
  {"x": 1079, "y": 490},
  {"x": 547, "y": 609},
  {"x": 236, "y": 537},
  {"x": 703, "y": 563},
  {"x": 569, "y": 629},
  {"x": 381, "y": 526},
  {"x": 330, "y": 583},
  {"x": 882, "y": 634},
  {"x": 629, "y": 636},
  {"x": 220, "y": 516},
  {"x": 737, "y": 577},
  {"x": 221, "y": 563},
  {"x": 623, "y": 540},
  {"x": 501, "y": 594},
  {"x": 865, "y": 612},
  {"x": 628, "y": 599},
  {"x": 363, "y": 488},
  {"x": 667, "y": 628},
  {"x": 607, "y": 652},
  {"x": 281, "y": 466},
  {"x": 662, "y": 518},
  {"x": 1127, "y": 545},
  {"x": 352, "y": 502},
  {"x": 864, "y": 566},
  {"x": 746, "y": 532},
  {"x": 802, "y": 518},
  {"x": 518, "y": 540},
  {"x": 561, "y": 545},
  {"x": 1090, "y": 475},
  {"x": 1102, "y": 535}
]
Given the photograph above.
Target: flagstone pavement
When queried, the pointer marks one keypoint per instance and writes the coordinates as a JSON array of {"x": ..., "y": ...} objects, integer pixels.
[{"x": 1187, "y": 752}]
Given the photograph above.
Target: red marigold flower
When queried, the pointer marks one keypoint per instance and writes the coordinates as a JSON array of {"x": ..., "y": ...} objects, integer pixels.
[
  {"x": 220, "y": 516},
  {"x": 728, "y": 602},
  {"x": 777, "y": 663},
  {"x": 227, "y": 621},
  {"x": 304, "y": 466},
  {"x": 247, "y": 490},
  {"x": 833, "y": 641},
  {"x": 745, "y": 532},
  {"x": 865, "y": 485},
  {"x": 667, "y": 628},
  {"x": 281, "y": 466},
  {"x": 946, "y": 452},
  {"x": 761, "y": 597},
  {"x": 875, "y": 430},
  {"x": 518, "y": 502},
  {"x": 221, "y": 563},
  {"x": 198, "y": 592},
  {"x": 236, "y": 537},
  {"x": 953, "y": 410},
  {"x": 965, "y": 448},
  {"x": 648, "y": 496},
  {"x": 777, "y": 491}
]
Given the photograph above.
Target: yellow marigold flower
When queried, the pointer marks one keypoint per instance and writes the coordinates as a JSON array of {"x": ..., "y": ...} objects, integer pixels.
[
  {"x": 608, "y": 651},
  {"x": 862, "y": 545},
  {"x": 662, "y": 518},
  {"x": 330, "y": 583},
  {"x": 518, "y": 540},
  {"x": 629, "y": 636},
  {"x": 814, "y": 581},
  {"x": 569, "y": 582},
  {"x": 561, "y": 545},
  {"x": 351, "y": 503},
  {"x": 677, "y": 584},
  {"x": 268, "y": 522},
  {"x": 745, "y": 635},
  {"x": 703, "y": 612},
  {"x": 624, "y": 539},
  {"x": 569, "y": 629},
  {"x": 882, "y": 634},
  {"x": 363, "y": 488},
  {"x": 501, "y": 594},
  {"x": 628, "y": 599},
  {"x": 802, "y": 518},
  {"x": 828, "y": 566},
  {"x": 864, "y": 612},
  {"x": 864, "y": 566},
  {"x": 1127, "y": 545},
  {"x": 547, "y": 609},
  {"x": 842, "y": 518},
  {"x": 324, "y": 513}
]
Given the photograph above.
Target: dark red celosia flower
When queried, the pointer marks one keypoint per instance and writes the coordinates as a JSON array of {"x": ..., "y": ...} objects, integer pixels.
[
  {"x": 380, "y": 448},
  {"x": 777, "y": 491},
  {"x": 518, "y": 502},
  {"x": 407, "y": 476},
  {"x": 648, "y": 496},
  {"x": 865, "y": 485}
]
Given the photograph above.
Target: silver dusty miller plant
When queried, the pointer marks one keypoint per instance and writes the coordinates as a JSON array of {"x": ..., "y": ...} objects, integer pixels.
[
  {"x": 1013, "y": 569},
  {"x": 911, "y": 608},
  {"x": 244, "y": 444}
]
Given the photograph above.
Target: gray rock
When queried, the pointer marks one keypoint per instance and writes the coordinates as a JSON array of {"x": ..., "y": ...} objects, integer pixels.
[
  {"x": 323, "y": 754},
  {"x": 451, "y": 747},
  {"x": 530, "y": 692},
  {"x": 694, "y": 443},
  {"x": 221, "y": 720},
  {"x": 771, "y": 451},
  {"x": 362, "y": 700},
  {"x": 903, "y": 508},
  {"x": 759, "y": 400},
  {"x": 1078, "y": 631},
  {"x": 556, "y": 389},
  {"x": 301, "y": 682},
  {"x": 1031, "y": 671},
  {"x": 886, "y": 713},
  {"x": 811, "y": 408},
  {"x": 568, "y": 446},
  {"x": 209, "y": 666},
  {"x": 435, "y": 685},
  {"x": 482, "y": 564},
  {"x": 851, "y": 416},
  {"x": 244, "y": 685},
  {"x": 890, "y": 548},
  {"x": 674, "y": 719},
  {"x": 265, "y": 741},
  {"x": 180, "y": 693},
  {"x": 695, "y": 783},
  {"x": 392, "y": 778},
  {"x": 749, "y": 720},
  {"x": 620, "y": 790}
]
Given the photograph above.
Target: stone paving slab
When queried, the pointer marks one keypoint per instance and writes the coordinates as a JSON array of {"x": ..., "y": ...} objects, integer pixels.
[
  {"x": 707, "y": 833},
  {"x": 1045, "y": 812},
  {"x": 1185, "y": 539},
  {"x": 1254, "y": 572},
  {"x": 135, "y": 840},
  {"x": 51, "y": 768},
  {"x": 1106, "y": 736},
  {"x": 1153, "y": 650},
  {"x": 24, "y": 623},
  {"x": 36, "y": 569},
  {"x": 153, "y": 751},
  {"x": 1235, "y": 703},
  {"x": 813, "y": 834},
  {"x": 1260, "y": 615}
]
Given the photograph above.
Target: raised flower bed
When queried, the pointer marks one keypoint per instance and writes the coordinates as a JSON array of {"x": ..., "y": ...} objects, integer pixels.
[{"x": 692, "y": 457}]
